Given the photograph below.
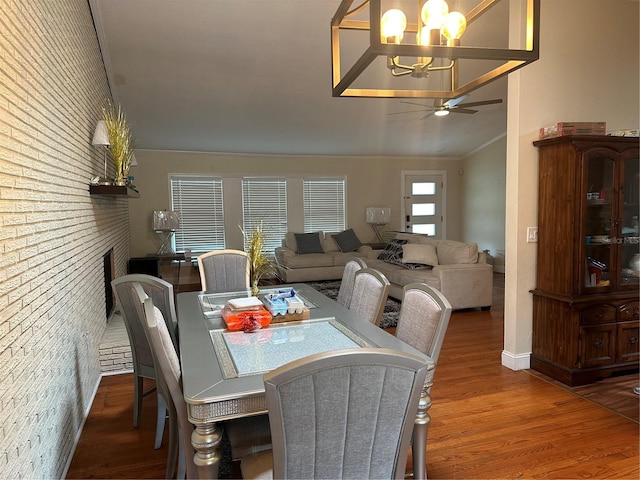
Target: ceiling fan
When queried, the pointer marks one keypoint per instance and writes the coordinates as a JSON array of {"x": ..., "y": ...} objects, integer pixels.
[{"x": 441, "y": 108}]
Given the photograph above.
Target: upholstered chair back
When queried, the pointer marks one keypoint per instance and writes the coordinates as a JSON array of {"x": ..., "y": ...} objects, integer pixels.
[
  {"x": 341, "y": 414},
  {"x": 224, "y": 271},
  {"x": 370, "y": 292},
  {"x": 348, "y": 279}
]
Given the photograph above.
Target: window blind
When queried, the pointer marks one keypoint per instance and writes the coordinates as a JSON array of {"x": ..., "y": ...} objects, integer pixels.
[
  {"x": 324, "y": 204},
  {"x": 198, "y": 200},
  {"x": 265, "y": 200}
]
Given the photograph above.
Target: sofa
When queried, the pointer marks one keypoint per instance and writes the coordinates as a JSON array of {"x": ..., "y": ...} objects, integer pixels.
[
  {"x": 455, "y": 268},
  {"x": 315, "y": 256}
]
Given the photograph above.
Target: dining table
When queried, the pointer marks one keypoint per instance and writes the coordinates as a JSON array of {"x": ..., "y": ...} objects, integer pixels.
[{"x": 222, "y": 370}]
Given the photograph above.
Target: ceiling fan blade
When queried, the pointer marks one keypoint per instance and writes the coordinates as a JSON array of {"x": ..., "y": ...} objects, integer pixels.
[
  {"x": 455, "y": 101},
  {"x": 479, "y": 104},
  {"x": 419, "y": 105},
  {"x": 462, "y": 110},
  {"x": 427, "y": 116},
  {"x": 407, "y": 111}
]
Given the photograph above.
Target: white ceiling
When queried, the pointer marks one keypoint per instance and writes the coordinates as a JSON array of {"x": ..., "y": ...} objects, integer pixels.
[{"x": 254, "y": 76}]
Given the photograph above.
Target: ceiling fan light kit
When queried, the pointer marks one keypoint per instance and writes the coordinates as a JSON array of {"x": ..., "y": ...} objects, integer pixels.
[{"x": 430, "y": 46}]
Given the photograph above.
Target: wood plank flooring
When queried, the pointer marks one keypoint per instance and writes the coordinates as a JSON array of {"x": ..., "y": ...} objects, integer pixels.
[{"x": 487, "y": 421}]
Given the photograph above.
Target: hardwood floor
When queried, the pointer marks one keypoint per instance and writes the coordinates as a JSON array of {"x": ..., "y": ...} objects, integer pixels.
[{"x": 487, "y": 421}]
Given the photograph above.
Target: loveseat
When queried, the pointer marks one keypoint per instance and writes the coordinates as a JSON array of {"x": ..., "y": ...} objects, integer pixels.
[{"x": 457, "y": 269}]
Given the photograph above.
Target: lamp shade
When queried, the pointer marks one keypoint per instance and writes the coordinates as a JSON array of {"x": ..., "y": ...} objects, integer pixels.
[
  {"x": 164, "y": 220},
  {"x": 378, "y": 215},
  {"x": 100, "y": 136}
]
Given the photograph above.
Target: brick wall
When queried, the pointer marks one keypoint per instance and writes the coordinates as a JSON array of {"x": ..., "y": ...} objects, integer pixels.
[{"x": 53, "y": 235}]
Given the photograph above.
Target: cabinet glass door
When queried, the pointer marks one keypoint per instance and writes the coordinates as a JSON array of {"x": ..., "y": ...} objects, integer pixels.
[
  {"x": 629, "y": 244},
  {"x": 599, "y": 229}
]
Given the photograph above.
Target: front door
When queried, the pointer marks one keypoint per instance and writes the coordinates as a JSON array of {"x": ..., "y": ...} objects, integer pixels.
[{"x": 423, "y": 204}]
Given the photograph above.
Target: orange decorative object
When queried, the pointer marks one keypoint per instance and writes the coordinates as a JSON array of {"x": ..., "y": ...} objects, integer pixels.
[{"x": 247, "y": 320}]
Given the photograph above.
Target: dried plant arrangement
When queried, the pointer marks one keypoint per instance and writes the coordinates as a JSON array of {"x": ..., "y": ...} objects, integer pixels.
[
  {"x": 120, "y": 140},
  {"x": 261, "y": 264}
]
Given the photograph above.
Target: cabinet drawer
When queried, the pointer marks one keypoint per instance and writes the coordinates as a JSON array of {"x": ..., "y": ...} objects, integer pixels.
[
  {"x": 629, "y": 312},
  {"x": 628, "y": 342},
  {"x": 598, "y": 314},
  {"x": 597, "y": 345}
]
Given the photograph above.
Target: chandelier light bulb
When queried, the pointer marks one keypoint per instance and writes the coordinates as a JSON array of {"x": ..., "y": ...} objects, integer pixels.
[
  {"x": 454, "y": 26},
  {"x": 392, "y": 26},
  {"x": 424, "y": 37},
  {"x": 433, "y": 13}
]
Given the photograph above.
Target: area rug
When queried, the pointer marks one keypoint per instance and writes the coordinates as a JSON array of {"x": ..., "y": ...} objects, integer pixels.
[{"x": 330, "y": 288}]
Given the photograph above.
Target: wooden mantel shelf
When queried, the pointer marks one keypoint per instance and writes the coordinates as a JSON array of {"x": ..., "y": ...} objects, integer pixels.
[{"x": 113, "y": 190}]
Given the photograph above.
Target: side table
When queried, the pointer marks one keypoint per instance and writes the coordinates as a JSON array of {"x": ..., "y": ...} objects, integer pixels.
[{"x": 175, "y": 269}]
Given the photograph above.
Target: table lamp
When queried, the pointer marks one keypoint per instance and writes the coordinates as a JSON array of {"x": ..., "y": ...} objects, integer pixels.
[
  {"x": 376, "y": 217},
  {"x": 165, "y": 223}
]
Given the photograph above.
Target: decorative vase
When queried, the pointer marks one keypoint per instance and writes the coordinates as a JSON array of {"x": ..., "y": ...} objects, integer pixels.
[
  {"x": 120, "y": 180},
  {"x": 634, "y": 263}
]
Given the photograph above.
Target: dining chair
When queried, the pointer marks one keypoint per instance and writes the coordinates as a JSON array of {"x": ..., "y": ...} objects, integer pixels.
[
  {"x": 143, "y": 367},
  {"x": 422, "y": 323},
  {"x": 370, "y": 292},
  {"x": 224, "y": 271},
  {"x": 348, "y": 278},
  {"x": 340, "y": 414},
  {"x": 167, "y": 364},
  {"x": 246, "y": 435},
  {"x": 423, "y": 319}
]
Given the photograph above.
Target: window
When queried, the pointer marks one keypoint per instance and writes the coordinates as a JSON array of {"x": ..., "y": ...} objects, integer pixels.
[
  {"x": 324, "y": 206},
  {"x": 198, "y": 200},
  {"x": 265, "y": 200}
]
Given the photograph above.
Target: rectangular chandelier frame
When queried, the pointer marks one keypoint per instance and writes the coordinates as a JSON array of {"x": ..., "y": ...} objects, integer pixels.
[{"x": 512, "y": 59}]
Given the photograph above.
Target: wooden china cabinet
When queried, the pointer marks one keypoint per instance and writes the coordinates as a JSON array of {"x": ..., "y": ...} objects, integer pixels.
[{"x": 585, "y": 304}]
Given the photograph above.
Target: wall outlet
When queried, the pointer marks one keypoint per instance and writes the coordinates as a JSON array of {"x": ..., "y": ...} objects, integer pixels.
[{"x": 532, "y": 234}]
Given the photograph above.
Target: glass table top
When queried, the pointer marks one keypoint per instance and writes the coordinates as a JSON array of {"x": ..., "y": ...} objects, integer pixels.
[{"x": 241, "y": 353}]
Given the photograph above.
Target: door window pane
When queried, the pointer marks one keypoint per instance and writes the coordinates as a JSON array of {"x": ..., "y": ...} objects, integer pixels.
[
  {"x": 423, "y": 188},
  {"x": 425, "y": 228},
  {"x": 423, "y": 209}
]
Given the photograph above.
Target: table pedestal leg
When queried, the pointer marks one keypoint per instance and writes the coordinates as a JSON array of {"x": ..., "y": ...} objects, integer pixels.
[
  {"x": 206, "y": 439},
  {"x": 420, "y": 431}
]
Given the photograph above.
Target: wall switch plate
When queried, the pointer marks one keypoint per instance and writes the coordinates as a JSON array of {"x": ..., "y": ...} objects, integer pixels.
[{"x": 532, "y": 234}]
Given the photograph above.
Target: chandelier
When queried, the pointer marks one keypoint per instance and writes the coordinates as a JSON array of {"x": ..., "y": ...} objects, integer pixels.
[{"x": 429, "y": 52}]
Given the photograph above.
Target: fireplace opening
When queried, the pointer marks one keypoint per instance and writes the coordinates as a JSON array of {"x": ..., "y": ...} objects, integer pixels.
[{"x": 109, "y": 274}]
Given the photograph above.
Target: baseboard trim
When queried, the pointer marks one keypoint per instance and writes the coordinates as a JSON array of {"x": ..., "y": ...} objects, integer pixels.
[
  {"x": 116, "y": 372},
  {"x": 79, "y": 432},
  {"x": 520, "y": 361}
]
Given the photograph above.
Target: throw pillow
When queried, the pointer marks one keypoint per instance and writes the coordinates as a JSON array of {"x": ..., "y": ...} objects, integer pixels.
[
  {"x": 347, "y": 241},
  {"x": 309, "y": 242},
  {"x": 450, "y": 252},
  {"x": 418, "y": 253},
  {"x": 393, "y": 251}
]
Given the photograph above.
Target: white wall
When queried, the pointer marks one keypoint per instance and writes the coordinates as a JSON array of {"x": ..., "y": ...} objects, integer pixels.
[
  {"x": 371, "y": 182},
  {"x": 588, "y": 71},
  {"x": 52, "y": 234},
  {"x": 483, "y": 199}
]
